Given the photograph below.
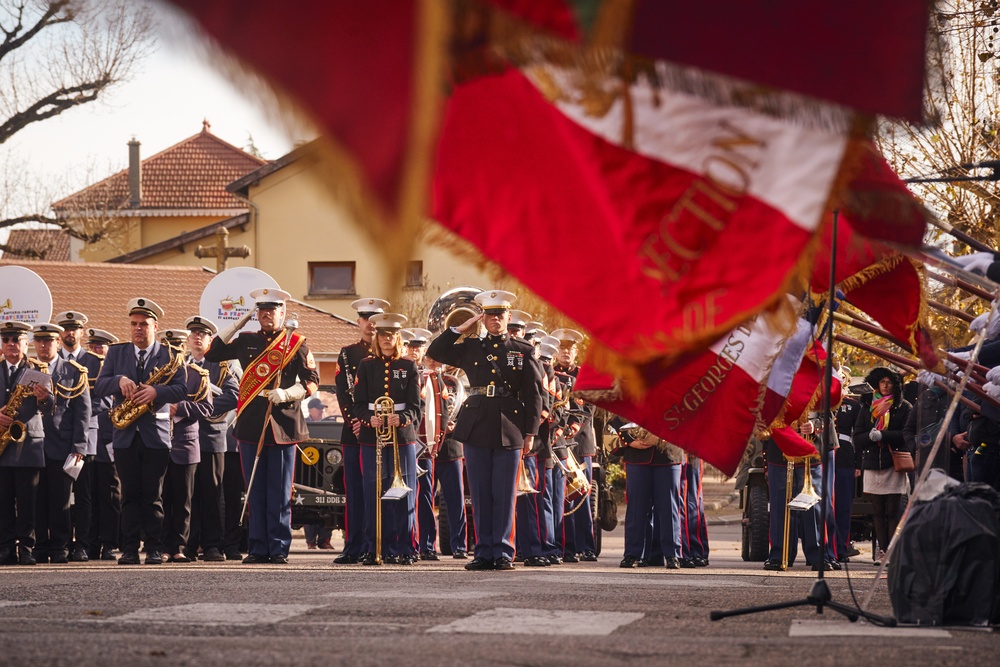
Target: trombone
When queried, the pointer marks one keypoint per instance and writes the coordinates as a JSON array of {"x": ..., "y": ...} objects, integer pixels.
[{"x": 385, "y": 436}]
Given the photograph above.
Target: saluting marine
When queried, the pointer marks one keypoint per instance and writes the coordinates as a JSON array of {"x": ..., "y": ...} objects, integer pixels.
[
  {"x": 498, "y": 422},
  {"x": 278, "y": 372}
]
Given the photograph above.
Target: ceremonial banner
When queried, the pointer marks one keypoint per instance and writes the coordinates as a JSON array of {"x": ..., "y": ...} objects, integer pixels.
[
  {"x": 804, "y": 396},
  {"x": 699, "y": 213},
  {"x": 708, "y": 405}
]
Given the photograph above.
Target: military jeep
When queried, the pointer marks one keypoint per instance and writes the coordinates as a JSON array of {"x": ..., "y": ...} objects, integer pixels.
[{"x": 318, "y": 484}]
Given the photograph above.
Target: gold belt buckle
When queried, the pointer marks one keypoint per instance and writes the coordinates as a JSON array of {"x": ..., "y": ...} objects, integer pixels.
[{"x": 491, "y": 391}]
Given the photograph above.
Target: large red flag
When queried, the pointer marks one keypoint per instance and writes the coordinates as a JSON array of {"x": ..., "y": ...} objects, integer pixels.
[
  {"x": 805, "y": 396},
  {"x": 677, "y": 224}
]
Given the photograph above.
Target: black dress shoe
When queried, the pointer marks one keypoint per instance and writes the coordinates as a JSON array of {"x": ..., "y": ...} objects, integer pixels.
[
  {"x": 429, "y": 555},
  {"x": 589, "y": 556},
  {"x": 537, "y": 561},
  {"x": 213, "y": 555},
  {"x": 8, "y": 557},
  {"x": 154, "y": 557},
  {"x": 408, "y": 559},
  {"x": 345, "y": 559},
  {"x": 672, "y": 563},
  {"x": 629, "y": 562},
  {"x": 479, "y": 564},
  {"x": 555, "y": 560},
  {"x": 772, "y": 565},
  {"x": 835, "y": 565},
  {"x": 369, "y": 559},
  {"x": 687, "y": 563},
  {"x": 233, "y": 554},
  {"x": 25, "y": 558},
  {"x": 254, "y": 559},
  {"x": 651, "y": 562},
  {"x": 108, "y": 553},
  {"x": 391, "y": 560},
  {"x": 79, "y": 555},
  {"x": 826, "y": 566},
  {"x": 40, "y": 556},
  {"x": 503, "y": 563},
  {"x": 178, "y": 558},
  {"x": 129, "y": 558},
  {"x": 570, "y": 558},
  {"x": 278, "y": 560},
  {"x": 59, "y": 557},
  {"x": 700, "y": 562},
  {"x": 460, "y": 555}
]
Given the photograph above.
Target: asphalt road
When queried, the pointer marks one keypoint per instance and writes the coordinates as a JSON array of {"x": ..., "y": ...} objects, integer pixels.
[{"x": 314, "y": 613}]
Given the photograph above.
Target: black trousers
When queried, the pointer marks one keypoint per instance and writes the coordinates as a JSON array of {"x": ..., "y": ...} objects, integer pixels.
[
  {"x": 53, "y": 522},
  {"x": 232, "y": 502},
  {"x": 107, "y": 499},
  {"x": 18, "y": 492},
  {"x": 177, "y": 491},
  {"x": 206, "y": 505},
  {"x": 83, "y": 505},
  {"x": 141, "y": 470}
]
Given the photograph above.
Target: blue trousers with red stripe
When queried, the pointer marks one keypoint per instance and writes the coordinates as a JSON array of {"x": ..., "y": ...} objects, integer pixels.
[
  {"x": 695, "y": 534},
  {"x": 492, "y": 483},
  {"x": 449, "y": 475},
  {"x": 426, "y": 524},
  {"x": 354, "y": 512}
]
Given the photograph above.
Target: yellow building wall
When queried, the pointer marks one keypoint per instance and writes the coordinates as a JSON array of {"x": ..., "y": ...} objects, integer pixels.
[
  {"x": 125, "y": 236},
  {"x": 300, "y": 223}
]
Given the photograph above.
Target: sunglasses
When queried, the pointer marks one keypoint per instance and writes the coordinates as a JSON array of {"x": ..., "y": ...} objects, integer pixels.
[{"x": 10, "y": 339}]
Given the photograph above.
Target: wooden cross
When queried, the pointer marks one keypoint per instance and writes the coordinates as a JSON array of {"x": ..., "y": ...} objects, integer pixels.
[{"x": 221, "y": 250}]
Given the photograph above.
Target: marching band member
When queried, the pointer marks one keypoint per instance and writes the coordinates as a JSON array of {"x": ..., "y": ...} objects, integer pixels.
[
  {"x": 185, "y": 452},
  {"x": 694, "y": 535},
  {"x": 448, "y": 461},
  {"x": 387, "y": 373},
  {"x": 142, "y": 446},
  {"x": 21, "y": 463},
  {"x": 498, "y": 422},
  {"x": 107, "y": 488},
  {"x": 532, "y": 531},
  {"x": 356, "y": 548},
  {"x": 430, "y": 394},
  {"x": 65, "y": 414},
  {"x": 83, "y": 544},
  {"x": 206, "y": 506},
  {"x": 552, "y": 488},
  {"x": 579, "y": 531},
  {"x": 269, "y": 420}
]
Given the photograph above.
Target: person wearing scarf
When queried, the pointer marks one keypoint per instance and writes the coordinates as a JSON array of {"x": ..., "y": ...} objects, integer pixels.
[{"x": 878, "y": 431}]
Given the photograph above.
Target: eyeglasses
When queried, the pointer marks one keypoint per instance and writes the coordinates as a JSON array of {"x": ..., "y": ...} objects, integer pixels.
[{"x": 11, "y": 339}]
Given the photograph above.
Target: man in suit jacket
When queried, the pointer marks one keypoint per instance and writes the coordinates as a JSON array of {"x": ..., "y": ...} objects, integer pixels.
[
  {"x": 21, "y": 462},
  {"x": 72, "y": 337},
  {"x": 207, "y": 507},
  {"x": 142, "y": 448},
  {"x": 66, "y": 419}
]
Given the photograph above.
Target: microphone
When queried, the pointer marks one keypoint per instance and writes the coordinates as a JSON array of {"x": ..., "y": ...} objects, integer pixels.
[{"x": 985, "y": 164}]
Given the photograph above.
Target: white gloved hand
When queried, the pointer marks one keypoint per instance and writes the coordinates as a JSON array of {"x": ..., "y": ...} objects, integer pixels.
[
  {"x": 992, "y": 389},
  {"x": 294, "y": 393},
  {"x": 993, "y": 375},
  {"x": 977, "y": 262},
  {"x": 976, "y": 325},
  {"x": 230, "y": 331},
  {"x": 927, "y": 378},
  {"x": 875, "y": 435},
  {"x": 963, "y": 355}
]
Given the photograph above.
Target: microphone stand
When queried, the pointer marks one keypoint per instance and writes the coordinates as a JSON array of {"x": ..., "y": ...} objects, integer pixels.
[
  {"x": 819, "y": 595},
  {"x": 291, "y": 325}
]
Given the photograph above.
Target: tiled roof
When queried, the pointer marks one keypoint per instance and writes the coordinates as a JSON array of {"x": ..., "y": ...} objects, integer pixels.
[
  {"x": 101, "y": 291},
  {"x": 47, "y": 244},
  {"x": 190, "y": 175}
]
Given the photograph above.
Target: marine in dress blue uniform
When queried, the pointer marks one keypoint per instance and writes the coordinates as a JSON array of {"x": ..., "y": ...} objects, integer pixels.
[
  {"x": 387, "y": 373},
  {"x": 552, "y": 485},
  {"x": 21, "y": 463},
  {"x": 207, "y": 508},
  {"x": 845, "y": 480},
  {"x": 694, "y": 537},
  {"x": 498, "y": 422},
  {"x": 578, "y": 530},
  {"x": 805, "y": 525},
  {"x": 66, "y": 420},
  {"x": 107, "y": 488},
  {"x": 415, "y": 341},
  {"x": 84, "y": 543},
  {"x": 142, "y": 448},
  {"x": 356, "y": 548},
  {"x": 271, "y": 417}
]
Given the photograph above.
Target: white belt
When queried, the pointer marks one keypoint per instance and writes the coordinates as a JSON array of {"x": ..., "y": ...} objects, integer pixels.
[
  {"x": 396, "y": 406},
  {"x": 845, "y": 437}
]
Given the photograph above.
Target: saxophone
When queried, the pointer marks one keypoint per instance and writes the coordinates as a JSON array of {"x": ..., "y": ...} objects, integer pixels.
[
  {"x": 15, "y": 432},
  {"x": 127, "y": 412}
]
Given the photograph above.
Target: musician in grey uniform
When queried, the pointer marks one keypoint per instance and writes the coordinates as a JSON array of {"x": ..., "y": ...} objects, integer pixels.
[
  {"x": 107, "y": 488},
  {"x": 207, "y": 507},
  {"x": 498, "y": 423},
  {"x": 139, "y": 373},
  {"x": 66, "y": 419},
  {"x": 20, "y": 462},
  {"x": 72, "y": 337}
]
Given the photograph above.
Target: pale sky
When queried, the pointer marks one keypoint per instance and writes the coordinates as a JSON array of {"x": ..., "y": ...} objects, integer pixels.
[{"x": 165, "y": 102}]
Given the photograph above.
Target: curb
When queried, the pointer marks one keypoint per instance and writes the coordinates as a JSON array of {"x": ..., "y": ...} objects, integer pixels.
[{"x": 716, "y": 505}]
